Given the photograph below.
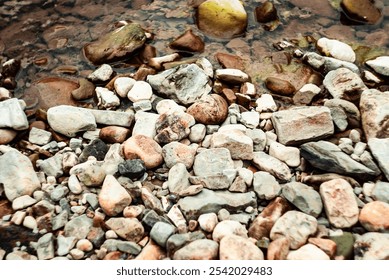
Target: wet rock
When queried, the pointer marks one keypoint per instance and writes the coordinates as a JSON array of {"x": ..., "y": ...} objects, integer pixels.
[
  {"x": 373, "y": 216},
  {"x": 84, "y": 91},
  {"x": 344, "y": 108},
  {"x": 363, "y": 11},
  {"x": 101, "y": 74},
  {"x": 161, "y": 232},
  {"x": 129, "y": 229},
  {"x": 208, "y": 221},
  {"x": 335, "y": 49},
  {"x": 78, "y": 227},
  {"x": 265, "y": 185},
  {"x": 302, "y": 124},
  {"x": 123, "y": 85},
  {"x": 266, "y": 12},
  {"x": 295, "y": 226},
  {"x": 39, "y": 136},
  {"x": 289, "y": 155},
  {"x": 12, "y": 115},
  {"x": 7, "y": 135},
  {"x": 90, "y": 173},
  {"x": 45, "y": 247},
  {"x": 375, "y": 113},
  {"x": 326, "y": 64},
  {"x": 133, "y": 168},
  {"x": 380, "y": 65},
  {"x": 380, "y": 152},
  {"x": 233, "y": 76},
  {"x": 113, "y": 198},
  {"x": 278, "y": 249},
  {"x": 221, "y": 18},
  {"x": 140, "y": 91},
  {"x": 188, "y": 42},
  {"x": 305, "y": 95},
  {"x": 107, "y": 117},
  {"x": 381, "y": 191},
  {"x": 178, "y": 180},
  {"x": 327, "y": 156},
  {"x": 239, "y": 145},
  {"x": 307, "y": 252},
  {"x": 304, "y": 197},
  {"x": 212, "y": 109},
  {"x": 176, "y": 152},
  {"x": 372, "y": 246},
  {"x": 115, "y": 45},
  {"x": 340, "y": 203},
  {"x": 202, "y": 249},
  {"x": 114, "y": 134},
  {"x": 17, "y": 175},
  {"x": 173, "y": 126},
  {"x": 279, "y": 86},
  {"x": 272, "y": 165},
  {"x": 69, "y": 120},
  {"x": 208, "y": 201},
  {"x": 184, "y": 84},
  {"x": 230, "y": 61},
  {"x": 106, "y": 99},
  {"x": 212, "y": 162},
  {"x": 234, "y": 247},
  {"x": 144, "y": 148}
]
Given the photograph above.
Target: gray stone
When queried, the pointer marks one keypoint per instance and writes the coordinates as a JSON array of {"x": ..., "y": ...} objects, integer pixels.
[
  {"x": 45, "y": 247},
  {"x": 372, "y": 246},
  {"x": 259, "y": 139},
  {"x": 265, "y": 185},
  {"x": 197, "y": 133},
  {"x": 52, "y": 166},
  {"x": 380, "y": 151},
  {"x": 173, "y": 126},
  {"x": 65, "y": 244},
  {"x": 380, "y": 65},
  {"x": 150, "y": 201},
  {"x": 289, "y": 155},
  {"x": 161, "y": 232},
  {"x": 101, "y": 74},
  {"x": 239, "y": 145},
  {"x": 178, "y": 178},
  {"x": 12, "y": 115},
  {"x": 145, "y": 124},
  {"x": 329, "y": 157},
  {"x": 327, "y": 64},
  {"x": 108, "y": 117},
  {"x": 78, "y": 227},
  {"x": 381, "y": 191},
  {"x": 212, "y": 162},
  {"x": 202, "y": 249},
  {"x": 349, "y": 109},
  {"x": 142, "y": 105},
  {"x": 17, "y": 175},
  {"x": 184, "y": 84},
  {"x": 39, "y": 136},
  {"x": 176, "y": 152},
  {"x": 128, "y": 247},
  {"x": 74, "y": 185},
  {"x": 208, "y": 201},
  {"x": 303, "y": 197},
  {"x": 129, "y": 229},
  {"x": 213, "y": 182},
  {"x": 60, "y": 220},
  {"x": 177, "y": 241},
  {"x": 302, "y": 124},
  {"x": 247, "y": 175},
  {"x": 272, "y": 165}
]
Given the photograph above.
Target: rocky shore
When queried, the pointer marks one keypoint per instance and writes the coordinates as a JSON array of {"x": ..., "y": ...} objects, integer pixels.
[{"x": 186, "y": 159}]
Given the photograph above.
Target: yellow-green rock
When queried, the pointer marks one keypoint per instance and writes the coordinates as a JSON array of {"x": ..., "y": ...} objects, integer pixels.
[{"x": 222, "y": 18}]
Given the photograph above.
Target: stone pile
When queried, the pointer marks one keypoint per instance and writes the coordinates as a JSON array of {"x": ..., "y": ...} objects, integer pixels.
[{"x": 199, "y": 166}]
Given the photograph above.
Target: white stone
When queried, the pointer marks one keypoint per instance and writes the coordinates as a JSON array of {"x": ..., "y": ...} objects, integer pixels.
[
  {"x": 30, "y": 222},
  {"x": 289, "y": 155},
  {"x": 103, "y": 73},
  {"x": 167, "y": 105},
  {"x": 208, "y": 222},
  {"x": 265, "y": 185},
  {"x": 23, "y": 202},
  {"x": 250, "y": 119},
  {"x": 141, "y": 90},
  {"x": 142, "y": 105},
  {"x": 176, "y": 216},
  {"x": 266, "y": 103},
  {"x": 18, "y": 217},
  {"x": 107, "y": 117},
  {"x": 106, "y": 99},
  {"x": 247, "y": 175},
  {"x": 90, "y": 173},
  {"x": 335, "y": 49},
  {"x": 227, "y": 127},
  {"x": 4, "y": 94},
  {"x": 123, "y": 85},
  {"x": 380, "y": 65},
  {"x": 248, "y": 88},
  {"x": 145, "y": 124},
  {"x": 197, "y": 133},
  {"x": 308, "y": 252},
  {"x": 74, "y": 185},
  {"x": 12, "y": 115},
  {"x": 39, "y": 136},
  {"x": 232, "y": 75},
  {"x": 206, "y": 65},
  {"x": 239, "y": 145},
  {"x": 113, "y": 197}
]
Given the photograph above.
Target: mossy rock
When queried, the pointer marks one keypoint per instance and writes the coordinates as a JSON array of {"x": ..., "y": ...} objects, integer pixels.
[{"x": 344, "y": 245}]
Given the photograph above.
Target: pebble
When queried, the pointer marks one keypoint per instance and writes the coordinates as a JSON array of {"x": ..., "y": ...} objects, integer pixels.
[
  {"x": 346, "y": 110},
  {"x": 335, "y": 49},
  {"x": 211, "y": 109},
  {"x": 65, "y": 244},
  {"x": 78, "y": 227},
  {"x": 373, "y": 216},
  {"x": 381, "y": 191},
  {"x": 265, "y": 185},
  {"x": 52, "y": 166},
  {"x": 89, "y": 173},
  {"x": 272, "y": 165},
  {"x": 144, "y": 148},
  {"x": 161, "y": 232},
  {"x": 362, "y": 11},
  {"x": 250, "y": 119},
  {"x": 114, "y": 134},
  {"x": 106, "y": 99},
  {"x": 145, "y": 124},
  {"x": 140, "y": 90},
  {"x": 327, "y": 64},
  {"x": 7, "y": 135},
  {"x": 113, "y": 198},
  {"x": 101, "y": 74},
  {"x": 178, "y": 178},
  {"x": 259, "y": 139},
  {"x": 22, "y": 202},
  {"x": 168, "y": 105},
  {"x": 208, "y": 221},
  {"x": 280, "y": 86},
  {"x": 289, "y": 155},
  {"x": 235, "y": 247},
  {"x": 123, "y": 85},
  {"x": 326, "y": 245},
  {"x": 175, "y": 152},
  {"x": 372, "y": 246},
  {"x": 201, "y": 249},
  {"x": 12, "y": 115},
  {"x": 129, "y": 229},
  {"x": 308, "y": 252},
  {"x": 30, "y": 222},
  {"x": 380, "y": 152},
  {"x": 234, "y": 76},
  {"x": 380, "y": 65},
  {"x": 212, "y": 162},
  {"x": 173, "y": 126},
  {"x": 266, "y": 103},
  {"x": 109, "y": 117},
  {"x": 228, "y": 227},
  {"x": 39, "y": 136},
  {"x": 239, "y": 145},
  {"x": 197, "y": 133}
]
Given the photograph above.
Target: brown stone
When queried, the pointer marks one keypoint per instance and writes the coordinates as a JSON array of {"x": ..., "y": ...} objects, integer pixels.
[
  {"x": 230, "y": 61},
  {"x": 86, "y": 90},
  {"x": 278, "y": 249},
  {"x": 7, "y": 135},
  {"x": 114, "y": 134},
  {"x": 326, "y": 245},
  {"x": 213, "y": 109},
  {"x": 143, "y": 71},
  {"x": 151, "y": 251},
  {"x": 188, "y": 42},
  {"x": 145, "y": 148},
  {"x": 229, "y": 95},
  {"x": 374, "y": 216},
  {"x": 280, "y": 86},
  {"x": 363, "y": 11},
  {"x": 113, "y": 256},
  {"x": 266, "y": 12}
]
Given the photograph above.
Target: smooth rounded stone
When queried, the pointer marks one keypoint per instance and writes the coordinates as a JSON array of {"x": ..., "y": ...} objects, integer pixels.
[
  {"x": 84, "y": 245},
  {"x": 191, "y": 190},
  {"x": 326, "y": 64},
  {"x": 106, "y": 99},
  {"x": 380, "y": 65},
  {"x": 302, "y": 124},
  {"x": 335, "y": 49},
  {"x": 18, "y": 256},
  {"x": 236, "y": 141},
  {"x": 4, "y": 94},
  {"x": 173, "y": 126},
  {"x": 39, "y": 136},
  {"x": 278, "y": 249},
  {"x": 161, "y": 232},
  {"x": 197, "y": 133},
  {"x": 228, "y": 227},
  {"x": 212, "y": 109},
  {"x": 22, "y": 202},
  {"x": 362, "y": 11},
  {"x": 133, "y": 168},
  {"x": 381, "y": 191},
  {"x": 234, "y": 247},
  {"x": 250, "y": 119},
  {"x": 266, "y": 12},
  {"x": 305, "y": 95},
  {"x": 144, "y": 148},
  {"x": 188, "y": 42},
  {"x": 340, "y": 203},
  {"x": 178, "y": 178},
  {"x": 7, "y": 135},
  {"x": 133, "y": 211},
  {"x": 12, "y": 115},
  {"x": 117, "y": 44},
  {"x": 113, "y": 198},
  {"x": 145, "y": 124},
  {"x": 272, "y": 165},
  {"x": 266, "y": 103},
  {"x": 206, "y": 65},
  {"x": 17, "y": 175},
  {"x": 375, "y": 111},
  {"x": 289, "y": 155},
  {"x": 74, "y": 185},
  {"x": 328, "y": 246},
  {"x": 378, "y": 148},
  {"x": 69, "y": 120},
  {"x": 308, "y": 252},
  {"x": 151, "y": 251},
  {"x": 141, "y": 90},
  {"x": 222, "y": 18},
  {"x": 108, "y": 117},
  {"x": 176, "y": 152},
  {"x": 234, "y": 76},
  {"x": 90, "y": 173},
  {"x": 373, "y": 216},
  {"x": 184, "y": 84},
  {"x": 123, "y": 85},
  {"x": 76, "y": 254},
  {"x": 30, "y": 222},
  {"x": 101, "y": 74},
  {"x": 295, "y": 226},
  {"x": 372, "y": 246},
  {"x": 212, "y": 162},
  {"x": 280, "y": 86},
  {"x": 265, "y": 185},
  {"x": 208, "y": 221},
  {"x": 114, "y": 134},
  {"x": 168, "y": 105},
  {"x": 17, "y": 217},
  {"x": 129, "y": 229},
  {"x": 345, "y": 108},
  {"x": 343, "y": 83},
  {"x": 85, "y": 90},
  {"x": 201, "y": 249},
  {"x": 304, "y": 197}
]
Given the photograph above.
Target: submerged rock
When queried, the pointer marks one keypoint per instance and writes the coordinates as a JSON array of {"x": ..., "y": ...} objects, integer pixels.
[{"x": 362, "y": 11}]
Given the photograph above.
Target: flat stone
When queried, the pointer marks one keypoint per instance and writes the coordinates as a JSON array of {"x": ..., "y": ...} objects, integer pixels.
[
  {"x": 39, "y": 136},
  {"x": 161, "y": 232},
  {"x": 302, "y": 124},
  {"x": 295, "y": 226},
  {"x": 380, "y": 65},
  {"x": 211, "y": 109},
  {"x": 113, "y": 198},
  {"x": 379, "y": 149},
  {"x": 208, "y": 201},
  {"x": 129, "y": 229},
  {"x": 236, "y": 141},
  {"x": 176, "y": 152},
  {"x": 234, "y": 76},
  {"x": 213, "y": 182},
  {"x": 335, "y": 49},
  {"x": 308, "y": 252},
  {"x": 45, "y": 247},
  {"x": 272, "y": 165},
  {"x": 101, "y": 74},
  {"x": 372, "y": 246},
  {"x": 22, "y": 202},
  {"x": 340, "y": 203},
  {"x": 305, "y": 95},
  {"x": 234, "y": 247},
  {"x": 201, "y": 249},
  {"x": 212, "y": 162},
  {"x": 145, "y": 124},
  {"x": 173, "y": 126},
  {"x": 151, "y": 251},
  {"x": 346, "y": 108},
  {"x": 114, "y": 134},
  {"x": 144, "y": 148},
  {"x": 12, "y": 115},
  {"x": 289, "y": 155},
  {"x": 108, "y": 117},
  {"x": 259, "y": 139},
  {"x": 373, "y": 216},
  {"x": 78, "y": 227},
  {"x": 327, "y": 64},
  {"x": 168, "y": 105},
  {"x": 265, "y": 185}
]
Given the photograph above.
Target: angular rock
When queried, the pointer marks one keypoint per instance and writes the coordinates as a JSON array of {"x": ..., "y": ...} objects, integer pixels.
[
  {"x": 173, "y": 126},
  {"x": 213, "y": 182},
  {"x": 327, "y": 64},
  {"x": 102, "y": 74},
  {"x": 176, "y": 152},
  {"x": 266, "y": 103},
  {"x": 178, "y": 178},
  {"x": 289, "y": 155},
  {"x": 113, "y": 198},
  {"x": 238, "y": 185},
  {"x": 151, "y": 251},
  {"x": 380, "y": 65},
  {"x": 335, "y": 49},
  {"x": 145, "y": 124},
  {"x": 228, "y": 227},
  {"x": 326, "y": 245},
  {"x": 373, "y": 216},
  {"x": 97, "y": 148},
  {"x": 295, "y": 226},
  {"x": 362, "y": 11},
  {"x": 132, "y": 168},
  {"x": 340, "y": 203},
  {"x": 161, "y": 232},
  {"x": 39, "y": 136},
  {"x": 177, "y": 241},
  {"x": 302, "y": 124},
  {"x": 106, "y": 99},
  {"x": 250, "y": 119},
  {"x": 259, "y": 139},
  {"x": 45, "y": 247},
  {"x": 234, "y": 247},
  {"x": 379, "y": 149},
  {"x": 150, "y": 201},
  {"x": 308, "y": 252},
  {"x": 12, "y": 115},
  {"x": 212, "y": 162},
  {"x": 266, "y": 12},
  {"x": 211, "y": 109},
  {"x": 52, "y": 166},
  {"x": 381, "y": 191},
  {"x": 346, "y": 108},
  {"x": 233, "y": 76},
  {"x": 202, "y": 249},
  {"x": 188, "y": 42},
  {"x": 372, "y": 246},
  {"x": 107, "y": 117},
  {"x": 278, "y": 249},
  {"x": 144, "y": 148},
  {"x": 129, "y": 229},
  {"x": 272, "y": 165},
  {"x": 78, "y": 227},
  {"x": 239, "y": 145},
  {"x": 90, "y": 173},
  {"x": 305, "y": 95},
  {"x": 265, "y": 185}
]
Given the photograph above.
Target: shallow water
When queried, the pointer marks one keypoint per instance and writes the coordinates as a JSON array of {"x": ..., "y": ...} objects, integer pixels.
[{"x": 48, "y": 36}]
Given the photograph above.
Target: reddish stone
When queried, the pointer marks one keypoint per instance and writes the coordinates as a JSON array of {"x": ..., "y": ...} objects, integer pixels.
[
  {"x": 188, "y": 42},
  {"x": 230, "y": 61}
]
